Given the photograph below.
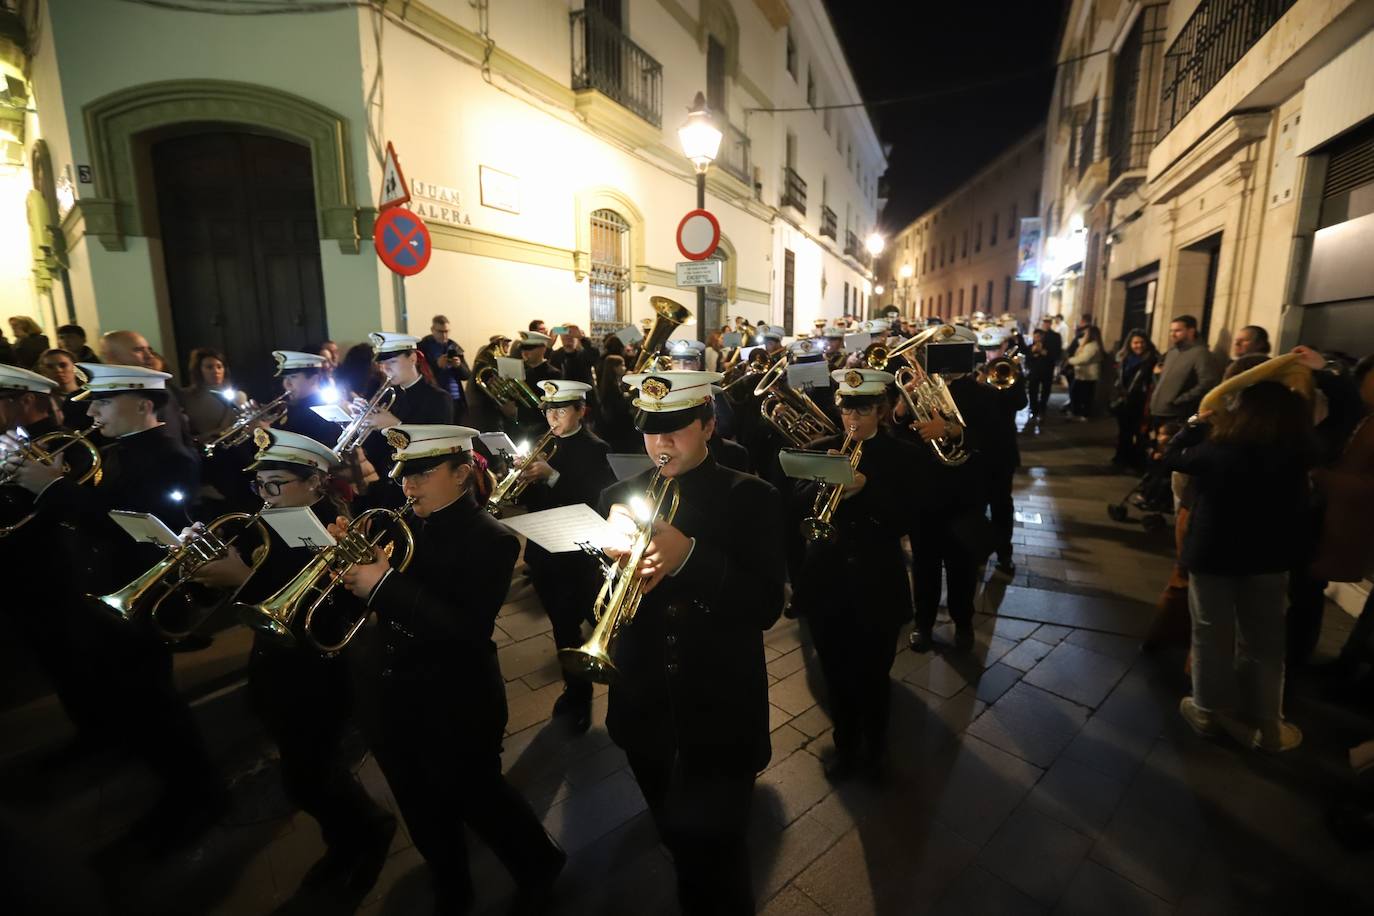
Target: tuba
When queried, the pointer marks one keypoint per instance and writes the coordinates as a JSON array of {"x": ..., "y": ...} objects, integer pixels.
[
  {"x": 670, "y": 315},
  {"x": 357, "y": 429},
  {"x": 926, "y": 396},
  {"x": 41, "y": 449},
  {"x": 249, "y": 416},
  {"x": 791, "y": 412},
  {"x": 163, "y": 586},
  {"x": 1284, "y": 369},
  {"x": 512, "y": 485},
  {"x": 819, "y": 526},
  {"x": 505, "y": 390},
  {"x": 313, "y": 586},
  {"x": 620, "y": 594}
]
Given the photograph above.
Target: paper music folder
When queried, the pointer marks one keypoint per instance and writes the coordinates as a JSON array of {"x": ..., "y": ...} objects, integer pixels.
[
  {"x": 511, "y": 368},
  {"x": 629, "y": 334},
  {"x": 809, "y": 375},
  {"x": 805, "y": 465},
  {"x": 145, "y": 528},
  {"x": 334, "y": 413},
  {"x": 497, "y": 443},
  {"x": 561, "y": 530},
  {"x": 299, "y": 527}
]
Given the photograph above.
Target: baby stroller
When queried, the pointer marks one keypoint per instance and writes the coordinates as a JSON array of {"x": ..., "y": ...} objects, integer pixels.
[{"x": 1153, "y": 494}]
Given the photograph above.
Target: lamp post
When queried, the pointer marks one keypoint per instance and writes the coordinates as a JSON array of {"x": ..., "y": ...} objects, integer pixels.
[{"x": 700, "y": 139}]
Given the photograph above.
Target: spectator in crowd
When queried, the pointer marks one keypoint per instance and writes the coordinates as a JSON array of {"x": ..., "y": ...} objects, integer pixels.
[
  {"x": 715, "y": 351},
  {"x": 576, "y": 357},
  {"x": 6, "y": 350},
  {"x": 358, "y": 373},
  {"x": 1183, "y": 375},
  {"x": 449, "y": 364},
  {"x": 29, "y": 341},
  {"x": 130, "y": 348},
  {"x": 208, "y": 399},
  {"x": 1060, "y": 327},
  {"x": 1040, "y": 362},
  {"x": 60, "y": 366},
  {"x": 1135, "y": 371},
  {"x": 1238, "y": 558},
  {"x": 1053, "y": 340},
  {"x": 1250, "y": 339},
  {"x": 72, "y": 338},
  {"x": 615, "y": 423},
  {"x": 1086, "y": 361},
  {"x": 330, "y": 351}
]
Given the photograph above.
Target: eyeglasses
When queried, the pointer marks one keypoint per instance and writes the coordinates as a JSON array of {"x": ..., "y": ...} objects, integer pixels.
[
  {"x": 560, "y": 411},
  {"x": 860, "y": 411},
  {"x": 269, "y": 487}
]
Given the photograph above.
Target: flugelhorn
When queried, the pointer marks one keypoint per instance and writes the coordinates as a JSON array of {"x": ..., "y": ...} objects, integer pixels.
[
  {"x": 249, "y": 416},
  {"x": 623, "y": 589},
  {"x": 1005, "y": 371},
  {"x": 312, "y": 587},
  {"x": 926, "y": 397},
  {"x": 163, "y": 586},
  {"x": 513, "y": 484},
  {"x": 791, "y": 412},
  {"x": 45, "y": 448},
  {"x": 820, "y": 526},
  {"x": 505, "y": 390},
  {"x": 669, "y": 314},
  {"x": 357, "y": 429}
]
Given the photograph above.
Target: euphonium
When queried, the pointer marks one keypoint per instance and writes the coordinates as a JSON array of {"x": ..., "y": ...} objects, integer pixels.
[
  {"x": 820, "y": 527},
  {"x": 312, "y": 586},
  {"x": 249, "y": 416},
  {"x": 513, "y": 484},
  {"x": 926, "y": 396},
  {"x": 357, "y": 429},
  {"x": 620, "y": 594},
  {"x": 40, "y": 450},
  {"x": 167, "y": 578},
  {"x": 791, "y": 412},
  {"x": 670, "y": 315},
  {"x": 505, "y": 390}
]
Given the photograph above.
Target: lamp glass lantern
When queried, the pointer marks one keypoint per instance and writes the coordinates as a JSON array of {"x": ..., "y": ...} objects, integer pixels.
[
  {"x": 875, "y": 244},
  {"x": 699, "y": 136}
]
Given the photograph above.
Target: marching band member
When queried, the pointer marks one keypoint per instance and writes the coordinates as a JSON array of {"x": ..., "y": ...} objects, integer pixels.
[
  {"x": 528, "y": 422},
  {"x": 1001, "y": 455},
  {"x": 441, "y": 698},
  {"x": 305, "y": 698},
  {"x": 144, "y": 469},
  {"x": 417, "y": 401},
  {"x": 691, "y": 710},
  {"x": 808, "y": 351},
  {"x": 854, "y": 589},
  {"x": 772, "y": 340},
  {"x": 567, "y": 582},
  {"x": 303, "y": 376},
  {"x": 834, "y": 347}
]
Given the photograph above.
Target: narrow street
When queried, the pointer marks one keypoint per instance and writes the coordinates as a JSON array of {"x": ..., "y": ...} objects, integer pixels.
[{"x": 1047, "y": 772}]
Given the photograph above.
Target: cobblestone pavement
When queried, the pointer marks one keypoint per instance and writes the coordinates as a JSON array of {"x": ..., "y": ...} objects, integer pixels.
[{"x": 1046, "y": 772}]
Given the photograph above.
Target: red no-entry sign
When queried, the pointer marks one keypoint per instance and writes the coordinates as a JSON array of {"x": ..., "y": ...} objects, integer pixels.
[{"x": 698, "y": 235}]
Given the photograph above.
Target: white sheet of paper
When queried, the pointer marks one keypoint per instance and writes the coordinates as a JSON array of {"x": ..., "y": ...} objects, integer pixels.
[
  {"x": 628, "y": 464},
  {"x": 733, "y": 339},
  {"x": 561, "y": 530},
  {"x": 334, "y": 413},
  {"x": 816, "y": 466},
  {"x": 299, "y": 527},
  {"x": 813, "y": 375},
  {"x": 497, "y": 443},
  {"x": 144, "y": 528},
  {"x": 510, "y": 367},
  {"x": 629, "y": 334},
  {"x": 856, "y": 342}
]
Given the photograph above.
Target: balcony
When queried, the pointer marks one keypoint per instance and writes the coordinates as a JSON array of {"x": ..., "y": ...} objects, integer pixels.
[
  {"x": 606, "y": 61},
  {"x": 1135, "y": 94},
  {"x": 734, "y": 155},
  {"x": 1213, "y": 40},
  {"x": 829, "y": 224},
  {"x": 793, "y": 190},
  {"x": 856, "y": 249}
]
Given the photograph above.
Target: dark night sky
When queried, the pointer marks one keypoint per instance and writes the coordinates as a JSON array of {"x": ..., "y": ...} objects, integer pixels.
[{"x": 937, "y": 143}]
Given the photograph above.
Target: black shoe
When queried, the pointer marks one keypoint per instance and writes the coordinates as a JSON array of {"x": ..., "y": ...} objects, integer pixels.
[
  {"x": 577, "y": 709},
  {"x": 535, "y": 895},
  {"x": 349, "y": 871},
  {"x": 1005, "y": 568},
  {"x": 841, "y": 768},
  {"x": 963, "y": 638},
  {"x": 920, "y": 640},
  {"x": 179, "y": 821}
]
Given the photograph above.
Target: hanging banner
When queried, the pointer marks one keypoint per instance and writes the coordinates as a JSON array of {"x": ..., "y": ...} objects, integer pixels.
[{"x": 1028, "y": 252}]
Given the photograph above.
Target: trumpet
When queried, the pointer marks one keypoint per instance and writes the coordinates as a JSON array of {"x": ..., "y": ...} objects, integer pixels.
[
  {"x": 1004, "y": 372},
  {"x": 791, "y": 412},
  {"x": 241, "y": 430},
  {"x": 820, "y": 526},
  {"x": 357, "y": 429},
  {"x": 757, "y": 364},
  {"x": 163, "y": 585},
  {"x": 670, "y": 315},
  {"x": 926, "y": 397},
  {"x": 313, "y": 586},
  {"x": 513, "y": 484},
  {"x": 505, "y": 390},
  {"x": 620, "y": 594},
  {"x": 40, "y": 449}
]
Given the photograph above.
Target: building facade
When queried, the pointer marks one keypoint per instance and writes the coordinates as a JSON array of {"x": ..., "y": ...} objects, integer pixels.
[
  {"x": 961, "y": 255},
  {"x": 1214, "y": 158},
  {"x": 213, "y": 179}
]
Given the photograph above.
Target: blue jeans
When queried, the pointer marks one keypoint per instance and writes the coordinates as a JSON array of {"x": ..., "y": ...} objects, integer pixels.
[{"x": 1238, "y": 644}]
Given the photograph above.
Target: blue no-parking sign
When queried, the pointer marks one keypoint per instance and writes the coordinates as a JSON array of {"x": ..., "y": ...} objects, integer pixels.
[{"x": 402, "y": 241}]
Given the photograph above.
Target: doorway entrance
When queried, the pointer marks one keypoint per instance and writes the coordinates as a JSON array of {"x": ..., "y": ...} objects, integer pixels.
[{"x": 241, "y": 244}]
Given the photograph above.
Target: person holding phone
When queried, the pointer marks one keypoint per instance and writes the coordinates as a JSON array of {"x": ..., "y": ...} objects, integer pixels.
[{"x": 448, "y": 362}]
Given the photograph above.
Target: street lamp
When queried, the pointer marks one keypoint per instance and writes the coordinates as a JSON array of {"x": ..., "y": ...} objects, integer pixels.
[
  {"x": 906, "y": 272},
  {"x": 875, "y": 244},
  {"x": 879, "y": 290},
  {"x": 700, "y": 139}
]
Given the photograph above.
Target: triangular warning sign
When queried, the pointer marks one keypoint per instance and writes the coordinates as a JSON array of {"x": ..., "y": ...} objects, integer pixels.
[{"x": 395, "y": 191}]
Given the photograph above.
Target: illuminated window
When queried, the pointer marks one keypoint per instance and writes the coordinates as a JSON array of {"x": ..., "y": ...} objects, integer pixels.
[{"x": 609, "y": 281}]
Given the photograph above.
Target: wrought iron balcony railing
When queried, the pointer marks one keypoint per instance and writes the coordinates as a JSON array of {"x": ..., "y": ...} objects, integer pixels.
[
  {"x": 604, "y": 59},
  {"x": 829, "y": 224},
  {"x": 793, "y": 190},
  {"x": 734, "y": 155}
]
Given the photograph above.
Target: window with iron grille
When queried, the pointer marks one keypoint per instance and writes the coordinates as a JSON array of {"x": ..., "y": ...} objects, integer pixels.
[
  {"x": 789, "y": 289},
  {"x": 987, "y": 303},
  {"x": 992, "y": 236},
  {"x": 791, "y": 54},
  {"x": 609, "y": 281}
]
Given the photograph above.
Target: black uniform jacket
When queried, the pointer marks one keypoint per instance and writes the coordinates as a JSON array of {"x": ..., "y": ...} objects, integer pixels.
[
  {"x": 529, "y": 422},
  {"x": 140, "y": 472},
  {"x": 939, "y": 487},
  {"x": 583, "y": 472},
  {"x": 861, "y": 574},
  {"x": 694, "y": 682},
  {"x": 420, "y": 403},
  {"x": 435, "y": 620},
  {"x": 300, "y": 419},
  {"x": 1000, "y": 448}
]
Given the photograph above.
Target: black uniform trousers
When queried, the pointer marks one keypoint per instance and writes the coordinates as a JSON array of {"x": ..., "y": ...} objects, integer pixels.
[
  {"x": 1039, "y": 385},
  {"x": 1001, "y": 509},
  {"x": 856, "y": 657},
  {"x": 936, "y": 549},
  {"x": 702, "y": 815},
  {"x": 566, "y": 585}
]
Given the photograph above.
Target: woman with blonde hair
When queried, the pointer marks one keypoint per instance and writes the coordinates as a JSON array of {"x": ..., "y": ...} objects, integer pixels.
[{"x": 29, "y": 341}]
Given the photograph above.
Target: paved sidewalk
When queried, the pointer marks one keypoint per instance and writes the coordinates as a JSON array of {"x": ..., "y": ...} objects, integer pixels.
[{"x": 1047, "y": 772}]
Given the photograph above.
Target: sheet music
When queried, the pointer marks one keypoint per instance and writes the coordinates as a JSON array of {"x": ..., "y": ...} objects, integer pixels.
[
  {"x": 629, "y": 334},
  {"x": 855, "y": 343},
  {"x": 299, "y": 528},
  {"x": 511, "y": 368},
  {"x": 805, "y": 465},
  {"x": 628, "y": 464},
  {"x": 812, "y": 375},
  {"x": 733, "y": 339},
  {"x": 562, "y": 530},
  {"x": 333, "y": 413},
  {"x": 145, "y": 528},
  {"x": 497, "y": 443}
]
